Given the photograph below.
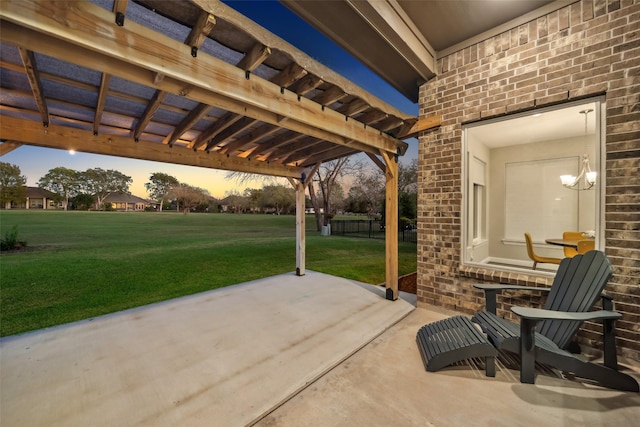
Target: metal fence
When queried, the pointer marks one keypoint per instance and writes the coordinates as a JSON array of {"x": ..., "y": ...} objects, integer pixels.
[{"x": 369, "y": 228}]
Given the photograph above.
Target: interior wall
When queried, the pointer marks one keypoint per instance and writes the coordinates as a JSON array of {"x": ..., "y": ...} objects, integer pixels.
[{"x": 503, "y": 246}]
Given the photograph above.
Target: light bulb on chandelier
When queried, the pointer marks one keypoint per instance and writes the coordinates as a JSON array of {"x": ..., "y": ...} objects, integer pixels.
[{"x": 586, "y": 179}]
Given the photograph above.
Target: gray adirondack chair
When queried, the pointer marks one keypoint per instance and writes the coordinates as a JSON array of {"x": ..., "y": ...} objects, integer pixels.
[{"x": 546, "y": 334}]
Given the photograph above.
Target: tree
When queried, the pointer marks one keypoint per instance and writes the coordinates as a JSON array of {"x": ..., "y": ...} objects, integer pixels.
[
  {"x": 159, "y": 186},
  {"x": 101, "y": 183},
  {"x": 188, "y": 197},
  {"x": 62, "y": 181},
  {"x": 82, "y": 202},
  {"x": 408, "y": 190},
  {"x": 279, "y": 197},
  {"x": 12, "y": 184},
  {"x": 370, "y": 190},
  {"x": 238, "y": 202},
  {"x": 327, "y": 177},
  {"x": 408, "y": 177}
]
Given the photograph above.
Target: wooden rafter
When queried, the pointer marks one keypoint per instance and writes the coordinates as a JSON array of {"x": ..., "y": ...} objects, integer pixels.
[
  {"x": 377, "y": 161},
  {"x": 152, "y": 107},
  {"x": 30, "y": 66},
  {"x": 102, "y": 100},
  {"x": 271, "y": 145},
  {"x": 372, "y": 116},
  {"x": 200, "y": 31},
  {"x": 249, "y": 62},
  {"x": 422, "y": 124},
  {"x": 332, "y": 152},
  {"x": 230, "y": 132},
  {"x": 120, "y": 9},
  {"x": 388, "y": 124},
  {"x": 190, "y": 119},
  {"x": 67, "y": 138},
  {"x": 289, "y": 146},
  {"x": 307, "y": 84},
  {"x": 8, "y": 146},
  {"x": 354, "y": 107},
  {"x": 288, "y": 75},
  {"x": 329, "y": 96},
  {"x": 217, "y": 127},
  {"x": 254, "y": 98},
  {"x": 256, "y": 56},
  {"x": 313, "y": 67},
  {"x": 82, "y": 124},
  {"x": 253, "y": 136},
  {"x": 302, "y": 152}
]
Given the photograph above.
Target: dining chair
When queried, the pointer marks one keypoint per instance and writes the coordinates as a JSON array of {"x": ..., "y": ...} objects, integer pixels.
[
  {"x": 586, "y": 245},
  {"x": 537, "y": 258},
  {"x": 571, "y": 235}
]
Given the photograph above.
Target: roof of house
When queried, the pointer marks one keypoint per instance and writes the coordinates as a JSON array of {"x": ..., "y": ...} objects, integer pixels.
[
  {"x": 39, "y": 193},
  {"x": 409, "y": 36},
  {"x": 125, "y": 198}
]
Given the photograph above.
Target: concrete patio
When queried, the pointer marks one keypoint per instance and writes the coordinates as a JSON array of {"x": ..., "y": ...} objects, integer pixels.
[{"x": 316, "y": 350}]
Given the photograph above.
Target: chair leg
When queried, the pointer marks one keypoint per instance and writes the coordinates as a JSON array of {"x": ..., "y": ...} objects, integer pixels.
[
  {"x": 490, "y": 366},
  {"x": 534, "y": 265},
  {"x": 527, "y": 351}
]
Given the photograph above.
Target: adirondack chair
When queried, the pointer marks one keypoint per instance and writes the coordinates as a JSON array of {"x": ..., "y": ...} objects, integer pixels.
[{"x": 545, "y": 335}]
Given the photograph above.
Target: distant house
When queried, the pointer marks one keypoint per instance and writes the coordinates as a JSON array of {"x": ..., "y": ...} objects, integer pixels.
[
  {"x": 37, "y": 198},
  {"x": 128, "y": 202}
]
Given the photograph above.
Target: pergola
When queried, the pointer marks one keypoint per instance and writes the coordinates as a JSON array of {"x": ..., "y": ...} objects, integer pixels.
[{"x": 191, "y": 83}]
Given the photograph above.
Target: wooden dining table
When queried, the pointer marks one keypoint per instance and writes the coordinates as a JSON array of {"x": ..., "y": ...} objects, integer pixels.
[{"x": 570, "y": 243}]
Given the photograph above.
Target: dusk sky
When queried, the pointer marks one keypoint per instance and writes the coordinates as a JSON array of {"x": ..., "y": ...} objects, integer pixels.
[{"x": 34, "y": 162}]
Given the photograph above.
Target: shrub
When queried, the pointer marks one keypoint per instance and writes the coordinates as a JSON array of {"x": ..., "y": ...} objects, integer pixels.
[{"x": 10, "y": 240}]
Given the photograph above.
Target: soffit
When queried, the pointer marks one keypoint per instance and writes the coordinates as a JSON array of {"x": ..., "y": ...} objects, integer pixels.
[
  {"x": 386, "y": 34},
  {"x": 187, "y": 82}
]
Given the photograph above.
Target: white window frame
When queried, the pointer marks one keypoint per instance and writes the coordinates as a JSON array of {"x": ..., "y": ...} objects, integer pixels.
[{"x": 468, "y": 241}]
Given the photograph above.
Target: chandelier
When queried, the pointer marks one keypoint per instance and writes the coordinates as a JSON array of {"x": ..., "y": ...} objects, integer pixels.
[{"x": 586, "y": 179}]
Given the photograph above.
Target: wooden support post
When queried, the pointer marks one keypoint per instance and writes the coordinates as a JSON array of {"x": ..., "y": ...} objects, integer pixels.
[
  {"x": 391, "y": 225},
  {"x": 300, "y": 226}
]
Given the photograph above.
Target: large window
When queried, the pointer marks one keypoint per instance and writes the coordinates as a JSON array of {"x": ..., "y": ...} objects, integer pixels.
[{"x": 512, "y": 182}]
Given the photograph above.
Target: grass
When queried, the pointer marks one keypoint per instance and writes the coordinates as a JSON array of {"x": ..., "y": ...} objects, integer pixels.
[{"x": 79, "y": 265}]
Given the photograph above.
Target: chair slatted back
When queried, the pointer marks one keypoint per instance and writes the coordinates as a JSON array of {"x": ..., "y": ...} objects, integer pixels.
[{"x": 577, "y": 286}]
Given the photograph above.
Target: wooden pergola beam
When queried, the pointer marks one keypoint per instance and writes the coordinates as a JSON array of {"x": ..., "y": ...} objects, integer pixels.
[
  {"x": 375, "y": 159},
  {"x": 187, "y": 123},
  {"x": 200, "y": 31},
  {"x": 253, "y": 136},
  {"x": 150, "y": 110},
  {"x": 8, "y": 146},
  {"x": 329, "y": 96},
  {"x": 272, "y": 144},
  {"x": 288, "y": 75},
  {"x": 230, "y": 132},
  {"x": 134, "y": 49},
  {"x": 214, "y": 129},
  {"x": 67, "y": 138},
  {"x": 256, "y": 56},
  {"x": 102, "y": 100},
  {"x": 354, "y": 107},
  {"x": 422, "y": 124},
  {"x": 30, "y": 66}
]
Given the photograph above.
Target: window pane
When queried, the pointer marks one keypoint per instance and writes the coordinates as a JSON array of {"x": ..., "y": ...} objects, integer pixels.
[{"x": 512, "y": 171}]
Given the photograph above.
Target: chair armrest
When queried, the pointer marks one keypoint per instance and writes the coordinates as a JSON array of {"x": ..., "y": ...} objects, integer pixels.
[
  {"x": 491, "y": 289},
  {"x": 505, "y": 287},
  {"x": 541, "y": 314}
]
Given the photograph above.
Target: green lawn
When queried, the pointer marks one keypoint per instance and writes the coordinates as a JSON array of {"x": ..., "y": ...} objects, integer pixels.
[{"x": 83, "y": 264}]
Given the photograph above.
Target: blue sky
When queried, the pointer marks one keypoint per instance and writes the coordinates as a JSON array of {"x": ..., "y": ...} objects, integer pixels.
[{"x": 34, "y": 162}]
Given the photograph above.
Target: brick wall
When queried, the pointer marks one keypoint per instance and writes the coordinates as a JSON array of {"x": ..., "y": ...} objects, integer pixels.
[{"x": 586, "y": 48}]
